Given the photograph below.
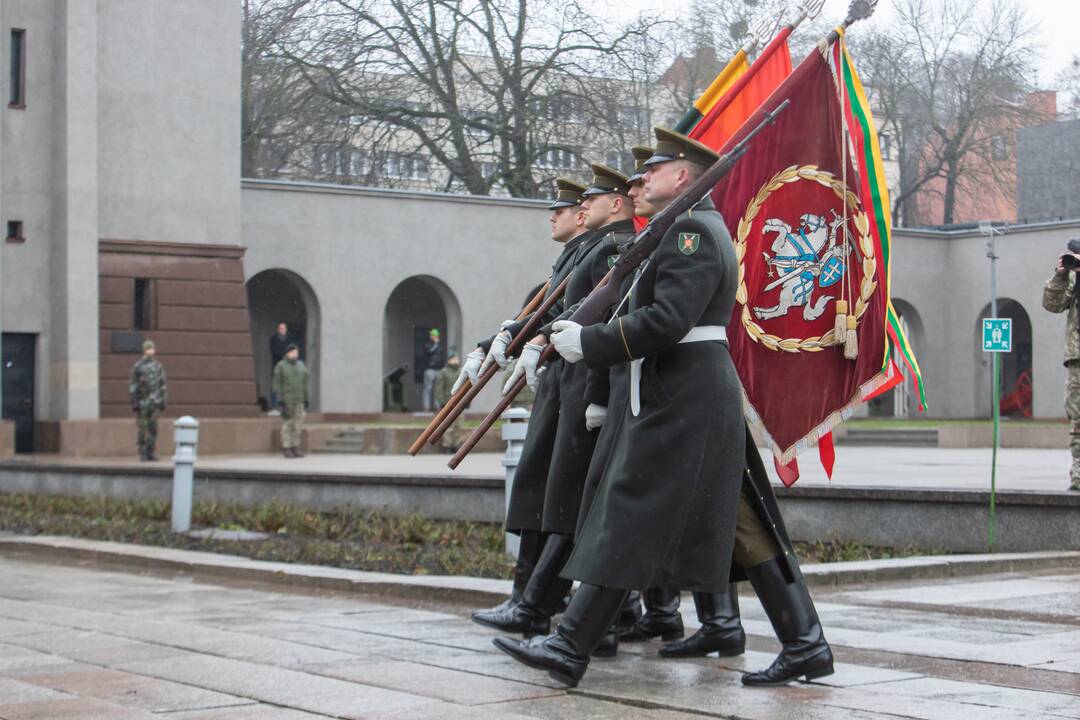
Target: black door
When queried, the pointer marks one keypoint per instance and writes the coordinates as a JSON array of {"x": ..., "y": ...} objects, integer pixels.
[{"x": 18, "y": 386}]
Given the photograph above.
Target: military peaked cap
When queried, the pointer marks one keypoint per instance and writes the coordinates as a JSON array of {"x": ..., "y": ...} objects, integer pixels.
[
  {"x": 641, "y": 153},
  {"x": 569, "y": 193},
  {"x": 671, "y": 145},
  {"x": 607, "y": 180}
]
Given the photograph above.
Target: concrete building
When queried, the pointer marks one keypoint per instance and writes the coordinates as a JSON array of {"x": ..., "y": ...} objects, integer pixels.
[{"x": 127, "y": 219}]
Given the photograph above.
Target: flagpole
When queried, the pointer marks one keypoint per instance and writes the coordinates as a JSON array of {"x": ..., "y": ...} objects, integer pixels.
[{"x": 764, "y": 27}]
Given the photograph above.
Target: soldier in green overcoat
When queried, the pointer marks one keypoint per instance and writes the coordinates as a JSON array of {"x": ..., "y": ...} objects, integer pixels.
[{"x": 290, "y": 384}]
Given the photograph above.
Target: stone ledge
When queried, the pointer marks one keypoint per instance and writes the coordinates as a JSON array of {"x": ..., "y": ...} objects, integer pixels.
[{"x": 470, "y": 590}]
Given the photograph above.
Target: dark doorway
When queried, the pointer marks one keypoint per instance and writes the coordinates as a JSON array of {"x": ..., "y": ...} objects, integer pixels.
[
  {"x": 415, "y": 306},
  {"x": 19, "y": 350},
  {"x": 281, "y": 296}
]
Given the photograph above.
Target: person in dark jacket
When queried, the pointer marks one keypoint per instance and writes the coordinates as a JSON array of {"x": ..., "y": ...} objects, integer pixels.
[
  {"x": 434, "y": 360},
  {"x": 279, "y": 345}
]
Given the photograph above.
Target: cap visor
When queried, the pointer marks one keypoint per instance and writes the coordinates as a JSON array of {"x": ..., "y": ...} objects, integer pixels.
[
  {"x": 597, "y": 191},
  {"x": 657, "y": 159},
  {"x": 561, "y": 204}
]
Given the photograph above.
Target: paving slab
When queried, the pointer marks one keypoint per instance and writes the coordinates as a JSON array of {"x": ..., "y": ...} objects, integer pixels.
[{"x": 82, "y": 642}]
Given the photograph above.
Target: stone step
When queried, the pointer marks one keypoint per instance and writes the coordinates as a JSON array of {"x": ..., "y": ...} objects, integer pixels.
[{"x": 900, "y": 437}]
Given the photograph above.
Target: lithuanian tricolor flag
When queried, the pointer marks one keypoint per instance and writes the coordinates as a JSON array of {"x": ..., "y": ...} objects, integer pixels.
[{"x": 875, "y": 198}]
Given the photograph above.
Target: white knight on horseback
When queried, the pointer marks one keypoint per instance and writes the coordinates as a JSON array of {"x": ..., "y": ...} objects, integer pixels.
[{"x": 803, "y": 259}]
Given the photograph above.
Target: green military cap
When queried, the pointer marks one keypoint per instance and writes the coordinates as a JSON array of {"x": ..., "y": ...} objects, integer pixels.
[
  {"x": 671, "y": 145},
  {"x": 147, "y": 345},
  {"x": 641, "y": 153},
  {"x": 569, "y": 193},
  {"x": 607, "y": 180}
]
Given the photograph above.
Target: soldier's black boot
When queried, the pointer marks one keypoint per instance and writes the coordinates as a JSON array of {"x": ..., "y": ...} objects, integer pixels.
[
  {"x": 565, "y": 654},
  {"x": 721, "y": 629},
  {"x": 542, "y": 597},
  {"x": 528, "y": 552},
  {"x": 795, "y": 621},
  {"x": 661, "y": 617}
]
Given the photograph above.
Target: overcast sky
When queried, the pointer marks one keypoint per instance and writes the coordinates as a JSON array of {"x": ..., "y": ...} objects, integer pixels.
[{"x": 1058, "y": 23}]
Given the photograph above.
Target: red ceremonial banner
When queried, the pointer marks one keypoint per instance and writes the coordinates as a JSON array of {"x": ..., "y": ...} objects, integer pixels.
[{"x": 803, "y": 242}]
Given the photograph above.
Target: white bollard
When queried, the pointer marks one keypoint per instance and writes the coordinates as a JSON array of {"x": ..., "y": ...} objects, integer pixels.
[
  {"x": 515, "y": 425},
  {"x": 186, "y": 437}
]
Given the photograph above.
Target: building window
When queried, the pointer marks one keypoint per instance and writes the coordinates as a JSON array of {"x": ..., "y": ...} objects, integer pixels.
[
  {"x": 143, "y": 305},
  {"x": 18, "y": 69},
  {"x": 999, "y": 148},
  {"x": 556, "y": 159},
  {"x": 15, "y": 231},
  {"x": 406, "y": 167},
  {"x": 886, "y": 146}
]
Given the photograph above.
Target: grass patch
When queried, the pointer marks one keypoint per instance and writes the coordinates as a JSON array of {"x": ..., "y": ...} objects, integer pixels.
[{"x": 350, "y": 538}]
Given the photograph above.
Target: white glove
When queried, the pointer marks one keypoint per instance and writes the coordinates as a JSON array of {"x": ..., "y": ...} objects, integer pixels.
[
  {"x": 526, "y": 365},
  {"x": 506, "y": 324},
  {"x": 469, "y": 369},
  {"x": 594, "y": 416},
  {"x": 497, "y": 354},
  {"x": 567, "y": 340}
]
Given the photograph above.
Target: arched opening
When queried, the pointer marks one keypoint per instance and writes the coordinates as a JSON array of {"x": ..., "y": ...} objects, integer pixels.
[
  {"x": 1017, "y": 380},
  {"x": 901, "y": 401},
  {"x": 281, "y": 296},
  {"x": 416, "y": 306}
]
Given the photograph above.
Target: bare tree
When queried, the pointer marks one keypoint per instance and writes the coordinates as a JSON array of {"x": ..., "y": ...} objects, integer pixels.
[
  {"x": 1069, "y": 85},
  {"x": 485, "y": 89},
  {"x": 951, "y": 77}
]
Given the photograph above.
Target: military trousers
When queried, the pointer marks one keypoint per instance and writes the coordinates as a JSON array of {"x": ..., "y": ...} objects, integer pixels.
[
  {"x": 1072, "y": 409},
  {"x": 754, "y": 543},
  {"x": 292, "y": 426},
  {"x": 146, "y": 423}
]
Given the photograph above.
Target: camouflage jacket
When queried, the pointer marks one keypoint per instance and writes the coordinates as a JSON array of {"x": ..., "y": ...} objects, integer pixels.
[
  {"x": 1059, "y": 295},
  {"x": 290, "y": 383},
  {"x": 444, "y": 381},
  {"x": 146, "y": 385}
]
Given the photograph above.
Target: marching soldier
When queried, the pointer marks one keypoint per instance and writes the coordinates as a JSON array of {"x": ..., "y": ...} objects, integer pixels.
[
  {"x": 1060, "y": 295},
  {"x": 579, "y": 400},
  {"x": 149, "y": 394},
  {"x": 525, "y": 516},
  {"x": 677, "y": 461}
]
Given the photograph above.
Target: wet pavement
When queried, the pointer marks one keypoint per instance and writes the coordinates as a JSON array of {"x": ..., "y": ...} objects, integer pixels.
[{"x": 82, "y": 642}]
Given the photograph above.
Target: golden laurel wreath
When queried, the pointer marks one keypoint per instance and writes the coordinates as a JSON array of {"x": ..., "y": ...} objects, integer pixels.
[{"x": 869, "y": 265}]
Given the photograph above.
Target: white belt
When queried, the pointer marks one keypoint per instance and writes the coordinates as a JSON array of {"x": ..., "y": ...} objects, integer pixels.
[{"x": 701, "y": 333}]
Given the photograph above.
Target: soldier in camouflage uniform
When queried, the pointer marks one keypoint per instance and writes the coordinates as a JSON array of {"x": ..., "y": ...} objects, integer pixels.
[
  {"x": 146, "y": 386},
  {"x": 290, "y": 384},
  {"x": 1059, "y": 295},
  {"x": 444, "y": 381}
]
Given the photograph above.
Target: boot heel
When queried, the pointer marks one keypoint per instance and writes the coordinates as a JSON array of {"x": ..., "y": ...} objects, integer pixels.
[
  {"x": 814, "y": 675},
  {"x": 671, "y": 635}
]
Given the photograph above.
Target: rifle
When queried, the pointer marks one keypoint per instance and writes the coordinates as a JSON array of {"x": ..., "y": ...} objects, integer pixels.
[
  {"x": 521, "y": 338},
  {"x": 606, "y": 293},
  {"x": 465, "y": 386}
]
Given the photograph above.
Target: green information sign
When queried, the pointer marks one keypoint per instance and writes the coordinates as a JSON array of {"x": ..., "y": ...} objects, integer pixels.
[{"x": 997, "y": 335}]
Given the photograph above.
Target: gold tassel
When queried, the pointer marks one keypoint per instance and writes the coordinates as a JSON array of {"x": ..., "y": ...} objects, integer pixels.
[
  {"x": 851, "y": 340},
  {"x": 840, "y": 326}
]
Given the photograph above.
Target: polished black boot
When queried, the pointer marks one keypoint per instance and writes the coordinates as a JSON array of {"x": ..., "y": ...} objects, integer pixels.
[
  {"x": 795, "y": 621},
  {"x": 630, "y": 612},
  {"x": 542, "y": 597},
  {"x": 528, "y": 553},
  {"x": 565, "y": 654},
  {"x": 721, "y": 630},
  {"x": 661, "y": 617}
]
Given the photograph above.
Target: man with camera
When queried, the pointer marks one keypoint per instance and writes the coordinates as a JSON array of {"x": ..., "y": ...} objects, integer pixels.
[{"x": 1060, "y": 295}]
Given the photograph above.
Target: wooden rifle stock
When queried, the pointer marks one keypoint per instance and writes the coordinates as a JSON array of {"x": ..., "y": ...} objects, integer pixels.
[
  {"x": 522, "y": 337},
  {"x": 456, "y": 398},
  {"x": 606, "y": 293}
]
